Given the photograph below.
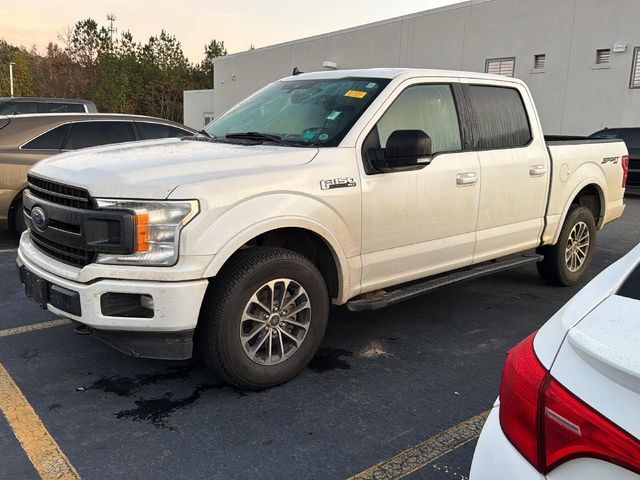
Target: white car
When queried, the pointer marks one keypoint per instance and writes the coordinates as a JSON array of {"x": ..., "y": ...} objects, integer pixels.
[{"x": 569, "y": 398}]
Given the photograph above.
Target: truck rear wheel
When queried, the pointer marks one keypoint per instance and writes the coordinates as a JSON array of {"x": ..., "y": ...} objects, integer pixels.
[
  {"x": 566, "y": 262},
  {"x": 263, "y": 318}
]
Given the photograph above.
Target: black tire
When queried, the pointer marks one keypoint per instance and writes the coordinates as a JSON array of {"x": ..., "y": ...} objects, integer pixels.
[
  {"x": 554, "y": 269},
  {"x": 19, "y": 224},
  {"x": 219, "y": 327}
]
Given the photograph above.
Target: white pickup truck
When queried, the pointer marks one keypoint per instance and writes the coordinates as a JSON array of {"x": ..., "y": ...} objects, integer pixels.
[{"x": 361, "y": 187}]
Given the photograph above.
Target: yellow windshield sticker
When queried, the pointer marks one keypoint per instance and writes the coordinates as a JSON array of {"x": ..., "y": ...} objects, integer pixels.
[{"x": 355, "y": 94}]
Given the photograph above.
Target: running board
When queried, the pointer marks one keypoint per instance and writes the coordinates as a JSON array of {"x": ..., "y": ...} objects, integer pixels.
[{"x": 416, "y": 289}]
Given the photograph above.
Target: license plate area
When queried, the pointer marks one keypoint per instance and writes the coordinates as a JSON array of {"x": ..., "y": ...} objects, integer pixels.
[
  {"x": 45, "y": 293},
  {"x": 36, "y": 288}
]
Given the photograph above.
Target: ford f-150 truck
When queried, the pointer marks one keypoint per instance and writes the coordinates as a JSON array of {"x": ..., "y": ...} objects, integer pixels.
[{"x": 361, "y": 187}]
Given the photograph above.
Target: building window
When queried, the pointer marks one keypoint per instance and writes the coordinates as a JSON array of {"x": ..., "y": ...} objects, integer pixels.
[
  {"x": 501, "y": 66},
  {"x": 603, "y": 56},
  {"x": 635, "y": 71},
  {"x": 539, "y": 61}
]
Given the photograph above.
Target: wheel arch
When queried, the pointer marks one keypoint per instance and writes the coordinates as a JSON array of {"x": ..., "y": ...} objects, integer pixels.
[
  {"x": 300, "y": 235},
  {"x": 590, "y": 194}
]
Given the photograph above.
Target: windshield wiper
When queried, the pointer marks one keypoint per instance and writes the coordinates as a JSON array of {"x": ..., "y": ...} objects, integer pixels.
[{"x": 257, "y": 136}]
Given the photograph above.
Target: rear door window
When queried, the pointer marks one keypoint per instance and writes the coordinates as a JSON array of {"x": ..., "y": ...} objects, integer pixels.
[
  {"x": 51, "y": 140},
  {"x": 23, "y": 107},
  {"x": 149, "y": 131},
  {"x": 91, "y": 134},
  {"x": 499, "y": 117}
]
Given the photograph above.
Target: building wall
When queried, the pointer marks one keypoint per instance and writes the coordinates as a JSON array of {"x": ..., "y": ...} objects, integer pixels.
[
  {"x": 572, "y": 94},
  {"x": 197, "y": 105}
]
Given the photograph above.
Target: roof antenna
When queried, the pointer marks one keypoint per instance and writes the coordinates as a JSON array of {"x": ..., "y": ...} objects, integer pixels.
[{"x": 296, "y": 71}]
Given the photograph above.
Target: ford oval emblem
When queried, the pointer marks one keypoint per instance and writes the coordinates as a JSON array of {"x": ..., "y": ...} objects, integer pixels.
[{"x": 39, "y": 218}]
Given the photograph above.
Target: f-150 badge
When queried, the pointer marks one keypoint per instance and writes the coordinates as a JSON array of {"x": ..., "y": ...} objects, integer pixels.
[{"x": 330, "y": 183}]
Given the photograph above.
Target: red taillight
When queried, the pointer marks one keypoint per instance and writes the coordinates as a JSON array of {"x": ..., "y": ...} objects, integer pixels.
[
  {"x": 572, "y": 429},
  {"x": 625, "y": 170},
  {"x": 549, "y": 425},
  {"x": 522, "y": 380}
]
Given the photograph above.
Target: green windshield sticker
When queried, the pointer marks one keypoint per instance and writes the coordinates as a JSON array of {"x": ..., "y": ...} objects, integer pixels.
[
  {"x": 333, "y": 115},
  {"x": 308, "y": 135},
  {"x": 371, "y": 85}
]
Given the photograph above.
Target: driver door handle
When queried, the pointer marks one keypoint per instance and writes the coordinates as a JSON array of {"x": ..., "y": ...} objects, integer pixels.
[
  {"x": 537, "y": 170},
  {"x": 466, "y": 179}
]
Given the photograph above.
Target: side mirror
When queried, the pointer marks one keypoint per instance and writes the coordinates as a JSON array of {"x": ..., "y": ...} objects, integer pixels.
[{"x": 405, "y": 147}]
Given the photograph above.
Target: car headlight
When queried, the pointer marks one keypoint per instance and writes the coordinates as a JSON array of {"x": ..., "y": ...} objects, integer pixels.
[{"x": 157, "y": 228}]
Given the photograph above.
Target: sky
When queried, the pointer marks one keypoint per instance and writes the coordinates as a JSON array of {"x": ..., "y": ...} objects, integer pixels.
[{"x": 239, "y": 24}]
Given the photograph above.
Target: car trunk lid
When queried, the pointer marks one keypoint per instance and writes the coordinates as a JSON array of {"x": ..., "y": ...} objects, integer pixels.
[{"x": 599, "y": 361}]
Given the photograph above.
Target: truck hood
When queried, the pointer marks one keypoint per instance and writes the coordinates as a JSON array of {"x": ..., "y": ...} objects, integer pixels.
[{"x": 153, "y": 169}]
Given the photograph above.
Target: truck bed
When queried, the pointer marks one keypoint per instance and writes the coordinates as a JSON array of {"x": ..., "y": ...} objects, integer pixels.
[{"x": 579, "y": 161}]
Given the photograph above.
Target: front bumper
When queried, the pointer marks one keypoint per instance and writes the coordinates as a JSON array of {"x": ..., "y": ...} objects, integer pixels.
[
  {"x": 166, "y": 334},
  {"x": 496, "y": 458}
]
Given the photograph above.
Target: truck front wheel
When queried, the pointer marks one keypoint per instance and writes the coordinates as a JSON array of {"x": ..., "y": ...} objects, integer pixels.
[
  {"x": 566, "y": 262},
  {"x": 263, "y": 317}
]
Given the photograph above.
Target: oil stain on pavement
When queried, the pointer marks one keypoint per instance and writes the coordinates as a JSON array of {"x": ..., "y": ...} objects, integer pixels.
[
  {"x": 158, "y": 410},
  {"x": 328, "y": 359}
]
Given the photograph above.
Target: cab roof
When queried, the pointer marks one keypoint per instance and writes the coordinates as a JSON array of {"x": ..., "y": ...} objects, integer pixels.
[{"x": 393, "y": 73}]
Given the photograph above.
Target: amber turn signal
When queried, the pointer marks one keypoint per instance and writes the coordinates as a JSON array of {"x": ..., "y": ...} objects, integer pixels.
[{"x": 142, "y": 233}]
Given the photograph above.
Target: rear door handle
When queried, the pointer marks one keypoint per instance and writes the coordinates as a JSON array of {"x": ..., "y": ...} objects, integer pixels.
[
  {"x": 537, "y": 170},
  {"x": 466, "y": 179}
]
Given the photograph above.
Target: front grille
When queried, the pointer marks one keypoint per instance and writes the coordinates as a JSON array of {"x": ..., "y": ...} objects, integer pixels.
[
  {"x": 73, "y": 230},
  {"x": 59, "y": 193},
  {"x": 64, "y": 253}
]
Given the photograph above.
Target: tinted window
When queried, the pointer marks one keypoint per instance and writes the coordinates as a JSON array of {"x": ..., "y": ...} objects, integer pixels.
[
  {"x": 50, "y": 107},
  {"x": 51, "y": 140},
  {"x": 430, "y": 108},
  {"x": 91, "y": 134},
  {"x": 499, "y": 117},
  {"x": 150, "y": 131},
  {"x": 6, "y": 110},
  {"x": 24, "y": 107},
  {"x": 631, "y": 287}
]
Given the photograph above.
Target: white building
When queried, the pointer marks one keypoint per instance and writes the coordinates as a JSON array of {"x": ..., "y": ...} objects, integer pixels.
[
  {"x": 581, "y": 58},
  {"x": 198, "y": 108}
]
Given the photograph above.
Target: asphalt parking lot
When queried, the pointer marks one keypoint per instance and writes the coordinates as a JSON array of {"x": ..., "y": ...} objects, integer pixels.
[{"x": 384, "y": 382}]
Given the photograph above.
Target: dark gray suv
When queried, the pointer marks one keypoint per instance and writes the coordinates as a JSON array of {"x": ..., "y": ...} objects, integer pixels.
[{"x": 28, "y": 105}]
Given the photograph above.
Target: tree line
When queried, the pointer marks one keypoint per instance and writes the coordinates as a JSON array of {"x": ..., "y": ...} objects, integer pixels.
[{"x": 119, "y": 74}]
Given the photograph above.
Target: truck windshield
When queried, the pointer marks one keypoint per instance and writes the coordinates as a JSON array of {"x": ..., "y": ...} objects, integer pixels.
[{"x": 299, "y": 112}]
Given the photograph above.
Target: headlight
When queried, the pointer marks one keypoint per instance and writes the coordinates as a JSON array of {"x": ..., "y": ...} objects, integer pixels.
[{"x": 157, "y": 228}]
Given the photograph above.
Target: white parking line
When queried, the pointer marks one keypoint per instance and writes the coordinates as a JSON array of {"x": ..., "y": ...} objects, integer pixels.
[
  {"x": 427, "y": 452},
  {"x": 8, "y": 250},
  {"x": 32, "y": 328}
]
